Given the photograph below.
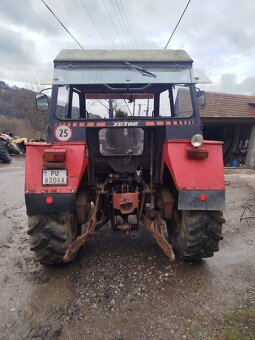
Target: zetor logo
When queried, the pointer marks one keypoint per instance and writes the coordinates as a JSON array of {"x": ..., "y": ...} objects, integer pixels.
[{"x": 125, "y": 123}]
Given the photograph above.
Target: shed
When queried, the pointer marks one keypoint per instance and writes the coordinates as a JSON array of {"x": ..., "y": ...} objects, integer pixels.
[{"x": 231, "y": 118}]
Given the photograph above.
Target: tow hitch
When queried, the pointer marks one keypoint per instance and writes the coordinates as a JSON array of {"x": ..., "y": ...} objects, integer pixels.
[
  {"x": 154, "y": 226},
  {"x": 90, "y": 230},
  {"x": 156, "y": 229}
]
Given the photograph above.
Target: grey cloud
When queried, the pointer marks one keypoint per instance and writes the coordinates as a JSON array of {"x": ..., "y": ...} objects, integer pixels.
[
  {"x": 15, "y": 49},
  {"x": 248, "y": 86},
  {"x": 18, "y": 57},
  {"x": 29, "y": 14},
  {"x": 207, "y": 26},
  {"x": 229, "y": 84},
  {"x": 210, "y": 31}
]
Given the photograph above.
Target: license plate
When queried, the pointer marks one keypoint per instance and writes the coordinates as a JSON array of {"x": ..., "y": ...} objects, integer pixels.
[{"x": 54, "y": 177}]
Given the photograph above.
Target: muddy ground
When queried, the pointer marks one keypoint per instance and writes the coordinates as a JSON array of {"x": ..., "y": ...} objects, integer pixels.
[{"x": 124, "y": 288}]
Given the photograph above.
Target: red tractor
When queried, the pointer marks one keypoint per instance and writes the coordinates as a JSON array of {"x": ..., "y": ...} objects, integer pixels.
[{"x": 128, "y": 167}]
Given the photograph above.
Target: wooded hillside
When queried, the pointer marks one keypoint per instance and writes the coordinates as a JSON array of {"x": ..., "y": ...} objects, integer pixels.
[{"x": 18, "y": 113}]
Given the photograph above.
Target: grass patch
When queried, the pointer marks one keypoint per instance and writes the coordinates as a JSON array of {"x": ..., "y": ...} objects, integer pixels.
[{"x": 239, "y": 324}]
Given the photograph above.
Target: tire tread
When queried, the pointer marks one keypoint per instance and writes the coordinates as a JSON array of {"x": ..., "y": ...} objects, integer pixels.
[
  {"x": 196, "y": 234},
  {"x": 50, "y": 236}
]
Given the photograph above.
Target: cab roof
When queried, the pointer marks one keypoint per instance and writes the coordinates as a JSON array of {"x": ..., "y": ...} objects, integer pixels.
[{"x": 124, "y": 55}]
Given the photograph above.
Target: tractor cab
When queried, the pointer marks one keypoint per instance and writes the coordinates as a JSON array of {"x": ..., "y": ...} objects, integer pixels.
[{"x": 121, "y": 102}]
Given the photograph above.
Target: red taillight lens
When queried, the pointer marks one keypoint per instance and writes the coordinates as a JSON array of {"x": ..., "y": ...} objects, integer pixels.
[
  {"x": 203, "y": 197},
  {"x": 54, "y": 156},
  {"x": 197, "y": 153},
  {"x": 49, "y": 200}
]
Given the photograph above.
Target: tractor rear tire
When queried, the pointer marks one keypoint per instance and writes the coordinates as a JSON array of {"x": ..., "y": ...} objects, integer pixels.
[
  {"x": 4, "y": 154},
  {"x": 195, "y": 234},
  {"x": 50, "y": 236}
]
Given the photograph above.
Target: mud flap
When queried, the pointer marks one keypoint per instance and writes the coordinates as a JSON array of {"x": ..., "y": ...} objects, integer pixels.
[{"x": 201, "y": 200}]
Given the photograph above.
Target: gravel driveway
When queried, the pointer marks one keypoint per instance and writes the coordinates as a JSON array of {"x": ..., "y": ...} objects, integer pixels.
[{"x": 125, "y": 288}]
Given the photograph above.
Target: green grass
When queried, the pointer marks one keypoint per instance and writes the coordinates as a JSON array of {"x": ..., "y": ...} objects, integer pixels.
[{"x": 239, "y": 324}]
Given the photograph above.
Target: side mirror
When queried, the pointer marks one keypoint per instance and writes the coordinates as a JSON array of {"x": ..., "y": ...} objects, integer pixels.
[
  {"x": 201, "y": 99},
  {"x": 42, "y": 102}
]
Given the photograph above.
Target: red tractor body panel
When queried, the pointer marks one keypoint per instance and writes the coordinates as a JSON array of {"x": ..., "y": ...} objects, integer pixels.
[
  {"x": 194, "y": 174},
  {"x": 76, "y": 161}
]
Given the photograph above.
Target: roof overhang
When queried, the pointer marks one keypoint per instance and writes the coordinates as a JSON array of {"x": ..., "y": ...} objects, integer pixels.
[{"x": 216, "y": 120}]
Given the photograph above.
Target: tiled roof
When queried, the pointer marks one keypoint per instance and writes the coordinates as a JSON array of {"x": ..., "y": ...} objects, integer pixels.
[{"x": 228, "y": 105}]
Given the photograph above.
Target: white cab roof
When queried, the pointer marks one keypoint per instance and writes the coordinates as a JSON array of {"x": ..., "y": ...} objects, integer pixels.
[{"x": 124, "y": 55}]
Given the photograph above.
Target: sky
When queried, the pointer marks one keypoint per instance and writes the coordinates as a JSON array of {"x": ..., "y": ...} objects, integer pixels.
[{"x": 219, "y": 35}]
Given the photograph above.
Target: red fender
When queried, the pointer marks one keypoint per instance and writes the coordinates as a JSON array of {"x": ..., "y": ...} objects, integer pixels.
[
  {"x": 194, "y": 174},
  {"x": 76, "y": 161}
]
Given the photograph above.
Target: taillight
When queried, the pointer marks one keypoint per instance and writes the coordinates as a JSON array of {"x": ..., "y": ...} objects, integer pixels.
[
  {"x": 203, "y": 197},
  {"x": 54, "y": 158},
  {"x": 197, "y": 153},
  {"x": 49, "y": 200}
]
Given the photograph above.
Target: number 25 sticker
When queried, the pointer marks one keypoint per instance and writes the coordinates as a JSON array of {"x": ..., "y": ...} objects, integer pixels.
[{"x": 63, "y": 133}]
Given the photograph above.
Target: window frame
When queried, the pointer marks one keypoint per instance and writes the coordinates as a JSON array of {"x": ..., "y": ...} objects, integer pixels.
[{"x": 83, "y": 102}]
